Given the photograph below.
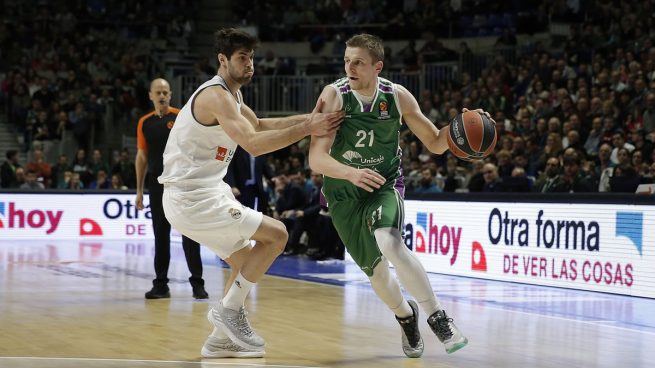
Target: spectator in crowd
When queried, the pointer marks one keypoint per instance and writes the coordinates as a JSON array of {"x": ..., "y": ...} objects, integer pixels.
[
  {"x": 40, "y": 167},
  {"x": 98, "y": 163},
  {"x": 492, "y": 181},
  {"x": 594, "y": 138},
  {"x": 546, "y": 182},
  {"x": 290, "y": 199},
  {"x": 323, "y": 240},
  {"x": 476, "y": 181},
  {"x": 125, "y": 169},
  {"x": 75, "y": 182},
  {"x": 81, "y": 166},
  {"x": 101, "y": 181},
  {"x": 572, "y": 179},
  {"x": 65, "y": 183},
  {"x": 59, "y": 171},
  {"x": 518, "y": 182},
  {"x": 245, "y": 176},
  {"x": 618, "y": 142},
  {"x": 117, "y": 182},
  {"x": 625, "y": 179},
  {"x": 8, "y": 170},
  {"x": 31, "y": 182},
  {"x": 427, "y": 184}
]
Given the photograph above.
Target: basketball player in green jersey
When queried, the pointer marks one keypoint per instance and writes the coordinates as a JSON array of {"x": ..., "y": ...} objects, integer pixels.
[{"x": 364, "y": 189}]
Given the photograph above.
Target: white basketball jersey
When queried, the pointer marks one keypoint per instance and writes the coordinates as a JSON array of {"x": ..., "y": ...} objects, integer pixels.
[{"x": 196, "y": 155}]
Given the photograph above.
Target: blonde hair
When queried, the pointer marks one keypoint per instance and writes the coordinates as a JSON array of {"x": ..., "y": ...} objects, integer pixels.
[{"x": 369, "y": 42}]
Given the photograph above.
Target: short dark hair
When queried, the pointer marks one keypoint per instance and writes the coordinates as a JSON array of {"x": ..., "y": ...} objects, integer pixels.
[
  {"x": 228, "y": 40},
  {"x": 370, "y": 42},
  {"x": 11, "y": 154}
]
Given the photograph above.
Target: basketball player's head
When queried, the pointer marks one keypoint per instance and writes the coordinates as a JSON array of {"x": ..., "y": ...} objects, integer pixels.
[
  {"x": 363, "y": 61},
  {"x": 160, "y": 94},
  {"x": 235, "y": 51}
]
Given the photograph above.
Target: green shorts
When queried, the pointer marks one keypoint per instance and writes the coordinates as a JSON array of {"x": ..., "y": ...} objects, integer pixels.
[{"x": 356, "y": 220}]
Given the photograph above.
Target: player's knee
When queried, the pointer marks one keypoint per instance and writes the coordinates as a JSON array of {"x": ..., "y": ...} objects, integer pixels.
[
  {"x": 279, "y": 237},
  {"x": 390, "y": 243}
]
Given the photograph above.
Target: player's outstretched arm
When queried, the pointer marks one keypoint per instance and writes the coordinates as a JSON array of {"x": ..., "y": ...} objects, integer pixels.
[
  {"x": 325, "y": 121},
  {"x": 321, "y": 161},
  {"x": 219, "y": 104}
]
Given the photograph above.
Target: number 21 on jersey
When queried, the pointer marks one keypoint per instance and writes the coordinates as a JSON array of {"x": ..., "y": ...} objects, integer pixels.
[{"x": 362, "y": 135}]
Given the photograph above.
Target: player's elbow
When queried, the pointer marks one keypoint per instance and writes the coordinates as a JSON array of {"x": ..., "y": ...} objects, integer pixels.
[{"x": 254, "y": 148}]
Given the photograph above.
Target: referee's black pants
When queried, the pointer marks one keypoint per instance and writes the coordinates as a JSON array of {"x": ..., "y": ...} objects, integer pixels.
[{"x": 162, "y": 230}]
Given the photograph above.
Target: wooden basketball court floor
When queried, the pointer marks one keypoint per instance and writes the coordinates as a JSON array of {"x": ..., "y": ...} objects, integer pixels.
[{"x": 80, "y": 304}]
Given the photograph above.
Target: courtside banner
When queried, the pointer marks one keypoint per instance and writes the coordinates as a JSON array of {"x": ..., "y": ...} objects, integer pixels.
[
  {"x": 608, "y": 247},
  {"x": 74, "y": 216}
]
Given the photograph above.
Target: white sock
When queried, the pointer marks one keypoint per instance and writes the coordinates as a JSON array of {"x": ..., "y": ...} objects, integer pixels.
[
  {"x": 238, "y": 292},
  {"x": 409, "y": 268},
  {"x": 388, "y": 290}
]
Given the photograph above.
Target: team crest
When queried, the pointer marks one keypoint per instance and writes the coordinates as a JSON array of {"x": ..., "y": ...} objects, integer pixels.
[
  {"x": 169, "y": 125},
  {"x": 221, "y": 152},
  {"x": 235, "y": 213},
  {"x": 384, "y": 109}
]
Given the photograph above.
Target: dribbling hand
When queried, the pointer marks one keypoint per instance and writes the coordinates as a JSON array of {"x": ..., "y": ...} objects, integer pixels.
[
  {"x": 367, "y": 179},
  {"x": 324, "y": 123},
  {"x": 481, "y": 112}
]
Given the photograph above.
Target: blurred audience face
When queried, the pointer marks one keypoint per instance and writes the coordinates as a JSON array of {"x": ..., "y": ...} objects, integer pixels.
[
  {"x": 623, "y": 155},
  {"x": 30, "y": 177},
  {"x": 604, "y": 152},
  {"x": 427, "y": 178},
  {"x": 552, "y": 167},
  {"x": 490, "y": 173},
  {"x": 20, "y": 175}
]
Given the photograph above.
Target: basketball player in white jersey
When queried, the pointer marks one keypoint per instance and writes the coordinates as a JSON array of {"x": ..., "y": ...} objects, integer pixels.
[{"x": 200, "y": 205}]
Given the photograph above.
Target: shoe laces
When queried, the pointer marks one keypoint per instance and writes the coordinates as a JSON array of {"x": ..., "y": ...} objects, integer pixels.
[
  {"x": 410, "y": 327},
  {"x": 441, "y": 325},
  {"x": 242, "y": 322}
]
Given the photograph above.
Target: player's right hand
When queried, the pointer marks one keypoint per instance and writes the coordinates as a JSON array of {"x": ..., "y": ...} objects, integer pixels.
[
  {"x": 324, "y": 123},
  {"x": 139, "y": 201},
  {"x": 367, "y": 179}
]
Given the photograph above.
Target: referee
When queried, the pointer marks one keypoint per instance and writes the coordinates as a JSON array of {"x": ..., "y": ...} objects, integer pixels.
[{"x": 152, "y": 134}]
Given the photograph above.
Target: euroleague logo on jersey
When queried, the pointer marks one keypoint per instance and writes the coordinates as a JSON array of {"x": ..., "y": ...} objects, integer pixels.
[
  {"x": 170, "y": 124},
  {"x": 384, "y": 110}
]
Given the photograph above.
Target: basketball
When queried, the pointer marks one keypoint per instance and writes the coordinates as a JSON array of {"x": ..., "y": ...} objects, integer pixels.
[{"x": 471, "y": 136}]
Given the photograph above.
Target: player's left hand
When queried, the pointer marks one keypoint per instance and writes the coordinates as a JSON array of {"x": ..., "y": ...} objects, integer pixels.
[
  {"x": 481, "y": 112},
  {"x": 324, "y": 123}
]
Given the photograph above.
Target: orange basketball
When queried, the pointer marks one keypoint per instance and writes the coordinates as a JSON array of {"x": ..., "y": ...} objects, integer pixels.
[{"x": 471, "y": 136}]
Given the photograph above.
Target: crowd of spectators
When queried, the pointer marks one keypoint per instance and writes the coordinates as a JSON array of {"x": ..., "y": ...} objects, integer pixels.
[
  {"x": 63, "y": 64},
  {"x": 320, "y": 20},
  {"x": 579, "y": 119}
]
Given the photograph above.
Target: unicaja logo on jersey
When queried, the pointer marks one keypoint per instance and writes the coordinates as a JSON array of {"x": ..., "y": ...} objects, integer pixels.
[
  {"x": 14, "y": 217},
  {"x": 350, "y": 155}
]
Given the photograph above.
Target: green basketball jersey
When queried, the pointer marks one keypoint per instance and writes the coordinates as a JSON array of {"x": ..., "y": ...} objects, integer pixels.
[{"x": 368, "y": 138}]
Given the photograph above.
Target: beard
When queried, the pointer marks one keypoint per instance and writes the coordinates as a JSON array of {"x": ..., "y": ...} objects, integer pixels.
[{"x": 242, "y": 79}]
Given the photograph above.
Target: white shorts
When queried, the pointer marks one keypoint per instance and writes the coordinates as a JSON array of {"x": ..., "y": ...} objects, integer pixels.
[{"x": 212, "y": 217}]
